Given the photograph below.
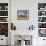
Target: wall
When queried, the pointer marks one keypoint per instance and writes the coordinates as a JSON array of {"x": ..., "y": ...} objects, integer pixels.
[
  {"x": 32, "y": 6},
  {"x": 27, "y": 5}
]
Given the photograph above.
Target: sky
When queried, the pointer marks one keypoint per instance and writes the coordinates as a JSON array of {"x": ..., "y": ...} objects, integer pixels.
[{"x": 22, "y": 12}]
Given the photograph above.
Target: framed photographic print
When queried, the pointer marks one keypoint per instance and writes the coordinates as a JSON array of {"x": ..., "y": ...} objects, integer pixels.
[{"x": 23, "y": 14}]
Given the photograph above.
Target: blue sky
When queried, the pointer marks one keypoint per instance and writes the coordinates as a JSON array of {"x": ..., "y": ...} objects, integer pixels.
[{"x": 22, "y": 12}]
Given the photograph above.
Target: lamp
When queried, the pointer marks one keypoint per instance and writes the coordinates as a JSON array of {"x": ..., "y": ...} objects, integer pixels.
[{"x": 23, "y": 37}]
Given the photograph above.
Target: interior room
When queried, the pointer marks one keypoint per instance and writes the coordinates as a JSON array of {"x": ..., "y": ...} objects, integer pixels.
[{"x": 22, "y": 22}]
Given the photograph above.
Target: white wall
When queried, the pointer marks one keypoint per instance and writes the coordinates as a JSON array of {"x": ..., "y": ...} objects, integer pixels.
[
  {"x": 27, "y": 5},
  {"x": 32, "y": 6},
  {"x": 24, "y": 24}
]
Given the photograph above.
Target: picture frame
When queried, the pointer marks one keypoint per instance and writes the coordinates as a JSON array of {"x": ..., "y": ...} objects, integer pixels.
[{"x": 23, "y": 14}]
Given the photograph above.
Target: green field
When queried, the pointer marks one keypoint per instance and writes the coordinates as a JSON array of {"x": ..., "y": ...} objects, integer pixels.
[{"x": 23, "y": 16}]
